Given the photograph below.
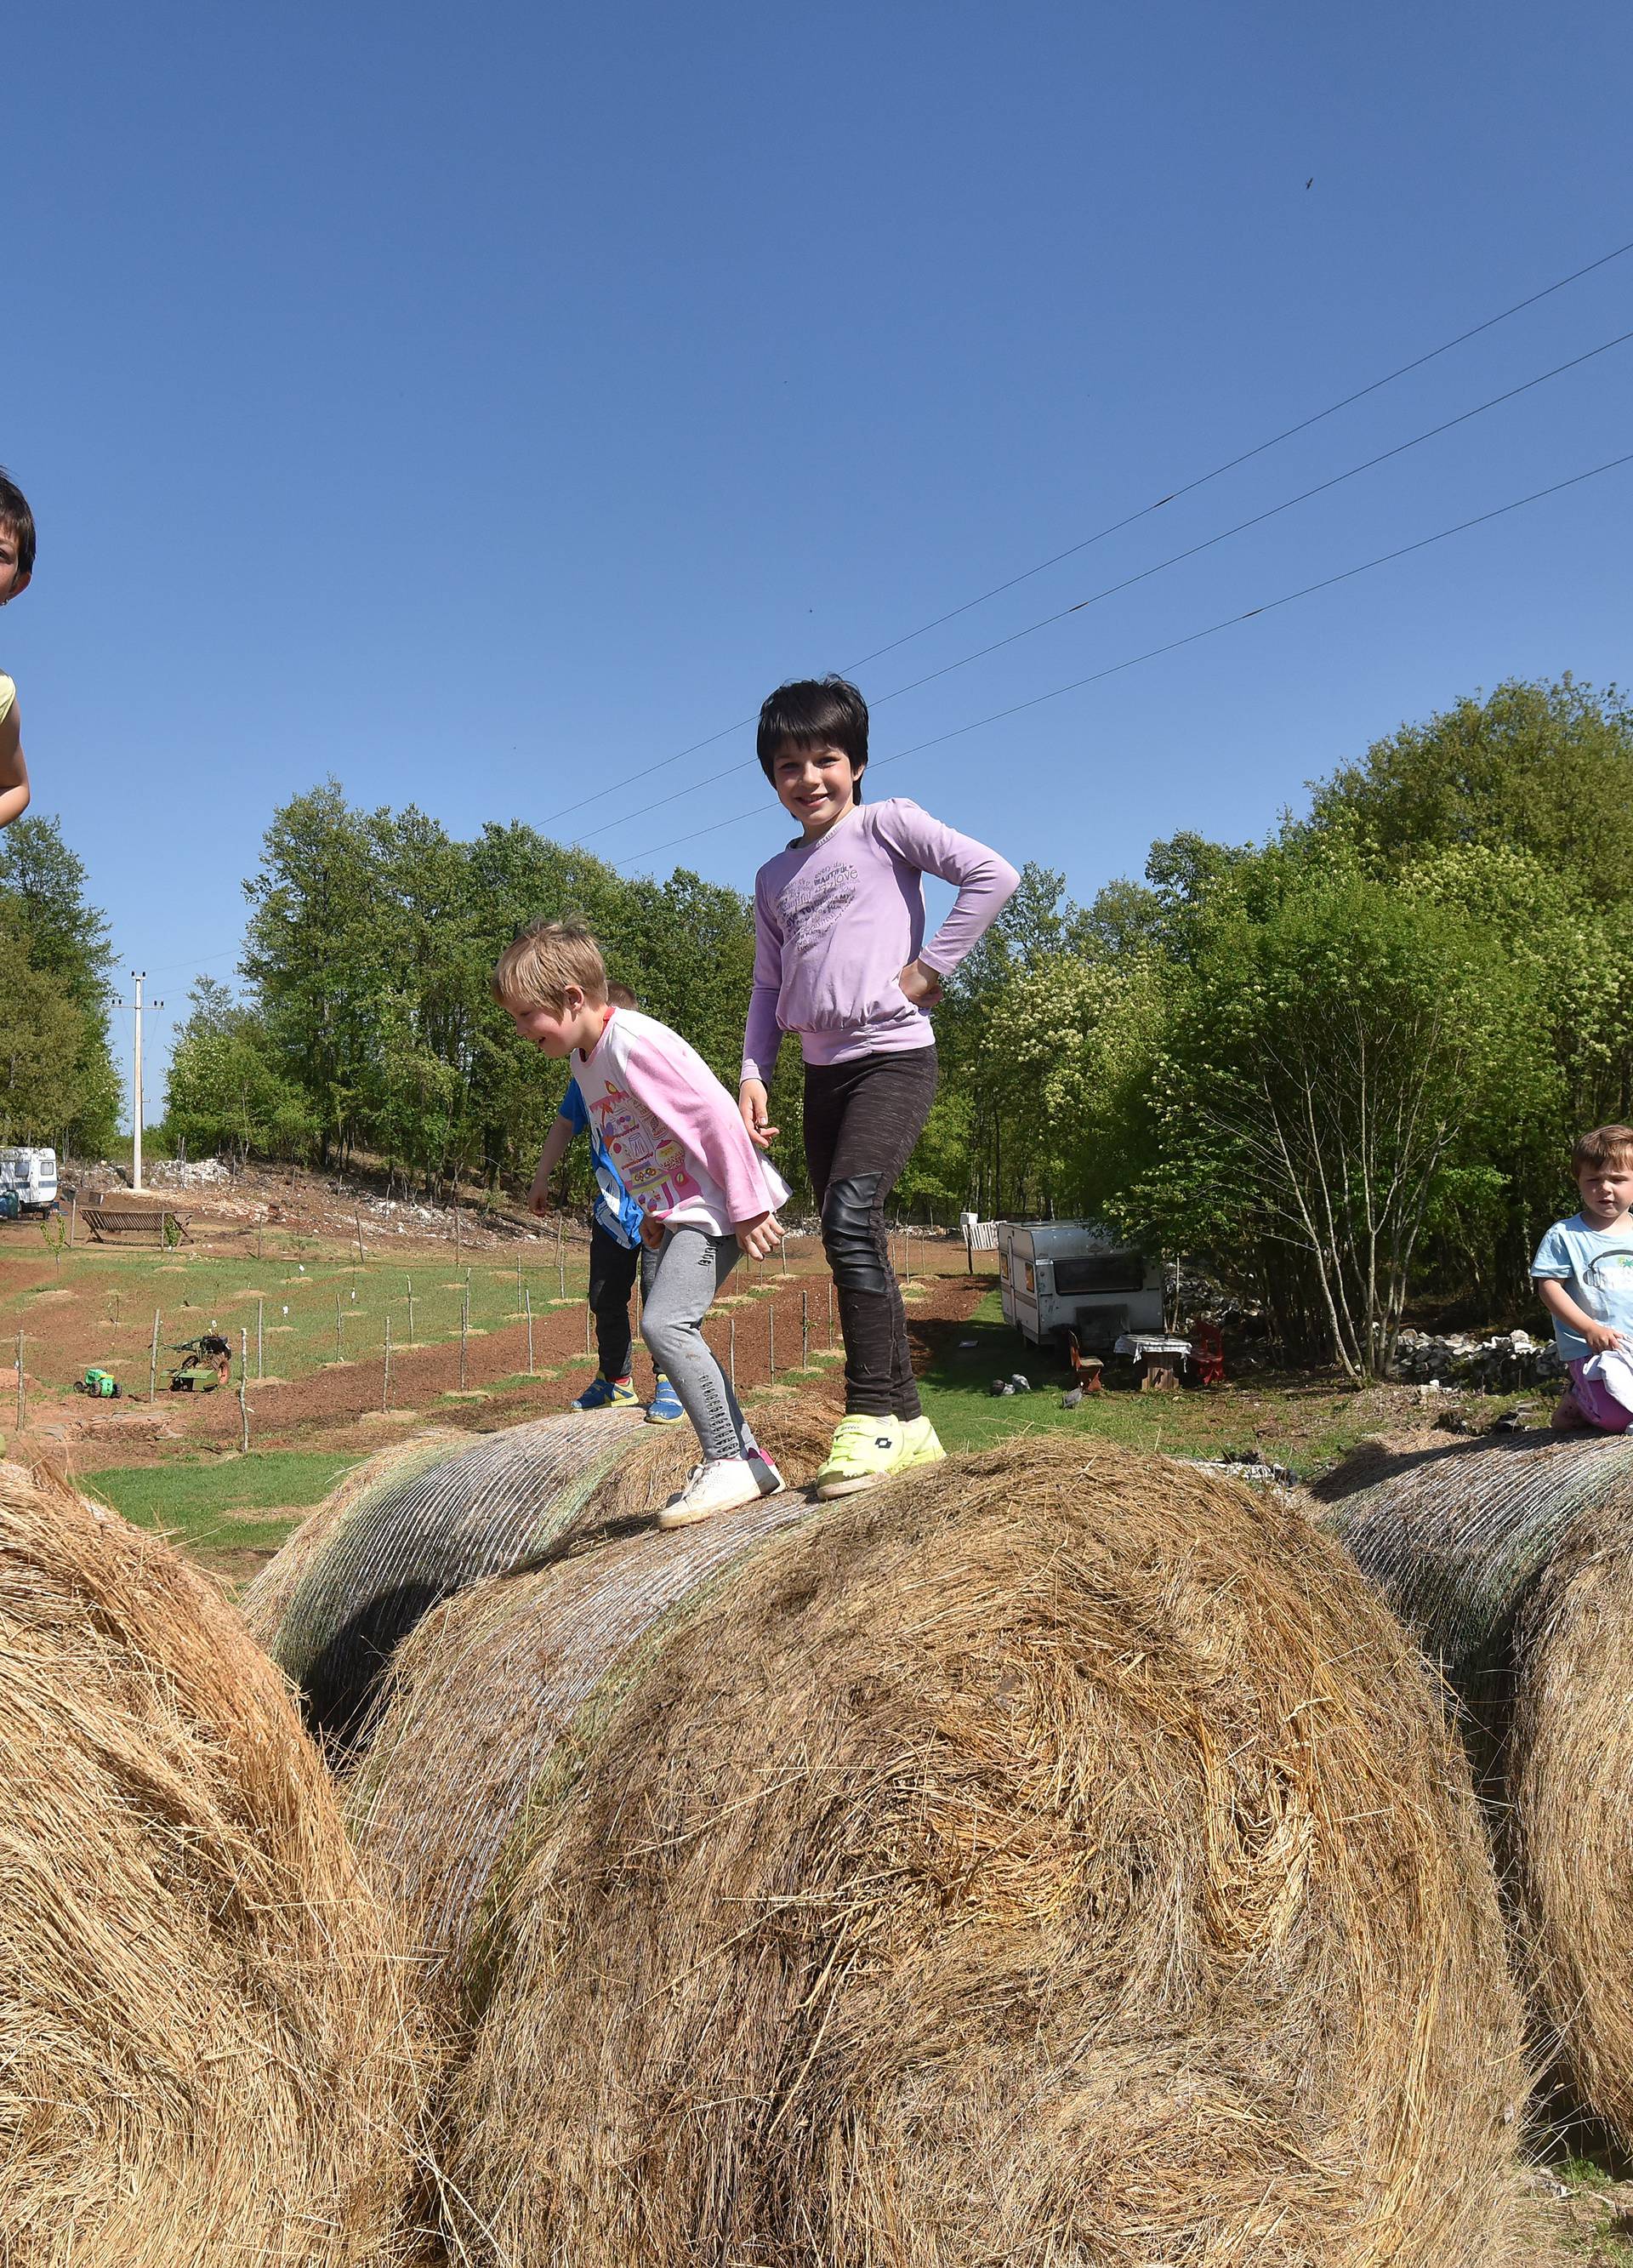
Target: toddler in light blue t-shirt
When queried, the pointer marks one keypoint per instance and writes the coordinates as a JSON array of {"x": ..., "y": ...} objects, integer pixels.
[{"x": 1583, "y": 1274}]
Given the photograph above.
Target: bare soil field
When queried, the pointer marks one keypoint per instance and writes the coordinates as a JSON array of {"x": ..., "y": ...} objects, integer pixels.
[{"x": 306, "y": 1283}]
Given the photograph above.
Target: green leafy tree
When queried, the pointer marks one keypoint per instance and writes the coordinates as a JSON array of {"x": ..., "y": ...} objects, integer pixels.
[
  {"x": 226, "y": 1092},
  {"x": 42, "y": 1046},
  {"x": 1544, "y": 769},
  {"x": 1342, "y": 1065},
  {"x": 63, "y": 939}
]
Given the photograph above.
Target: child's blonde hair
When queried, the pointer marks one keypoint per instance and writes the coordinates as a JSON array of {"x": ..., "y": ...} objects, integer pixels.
[{"x": 548, "y": 957}]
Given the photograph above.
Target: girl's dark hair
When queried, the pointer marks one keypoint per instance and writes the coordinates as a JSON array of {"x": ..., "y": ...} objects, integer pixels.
[
  {"x": 814, "y": 712},
  {"x": 19, "y": 523}
]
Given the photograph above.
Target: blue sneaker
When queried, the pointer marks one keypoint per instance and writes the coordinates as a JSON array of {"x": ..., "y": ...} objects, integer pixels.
[
  {"x": 665, "y": 1406},
  {"x": 608, "y": 1394}
]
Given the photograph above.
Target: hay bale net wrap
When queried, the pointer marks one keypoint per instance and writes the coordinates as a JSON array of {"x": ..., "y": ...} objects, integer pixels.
[
  {"x": 203, "y": 2053},
  {"x": 1455, "y": 1542},
  {"x": 1569, "y": 1834},
  {"x": 1038, "y": 1857},
  {"x": 265, "y": 1600},
  {"x": 412, "y": 1539},
  {"x": 484, "y": 1690}
]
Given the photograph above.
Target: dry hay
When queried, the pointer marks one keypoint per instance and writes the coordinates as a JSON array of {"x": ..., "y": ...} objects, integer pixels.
[
  {"x": 484, "y": 1689},
  {"x": 203, "y": 2055},
  {"x": 1455, "y": 1541},
  {"x": 427, "y": 1518},
  {"x": 1044, "y": 1858},
  {"x": 1571, "y": 1821},
  {"x": 1509, "y": 1563}
]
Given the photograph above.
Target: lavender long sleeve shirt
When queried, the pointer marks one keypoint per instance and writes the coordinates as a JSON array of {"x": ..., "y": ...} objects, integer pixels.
[{"x": 837, "y": 920}]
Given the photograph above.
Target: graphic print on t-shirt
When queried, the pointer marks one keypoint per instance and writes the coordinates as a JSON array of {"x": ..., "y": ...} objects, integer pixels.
[
  {"x": 1608, "y": 1278},
  {"x": 651, "y": 1162},
  {"x": 810, "y": 906}
]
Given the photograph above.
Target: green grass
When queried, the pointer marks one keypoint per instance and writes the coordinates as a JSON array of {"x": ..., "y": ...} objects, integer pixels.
[
  {"x": 1304, "y": 1423},
  {"x": 202, "y": 1502}
]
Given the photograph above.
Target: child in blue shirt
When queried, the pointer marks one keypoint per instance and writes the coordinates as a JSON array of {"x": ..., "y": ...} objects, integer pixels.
[
  {"x": 1583, "y": 1274},
  {"x": 616, "y": 1251}
]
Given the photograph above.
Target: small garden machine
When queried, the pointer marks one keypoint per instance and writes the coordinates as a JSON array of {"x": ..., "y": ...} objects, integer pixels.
[{"x": 209, "y": 1365}]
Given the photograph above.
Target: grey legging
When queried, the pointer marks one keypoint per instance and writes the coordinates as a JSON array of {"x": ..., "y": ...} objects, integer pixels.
[{"x": 691, "y": 1267}]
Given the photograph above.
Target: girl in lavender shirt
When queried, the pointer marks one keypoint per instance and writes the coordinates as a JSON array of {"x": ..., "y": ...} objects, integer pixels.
[{"x": 841, "y": 959}]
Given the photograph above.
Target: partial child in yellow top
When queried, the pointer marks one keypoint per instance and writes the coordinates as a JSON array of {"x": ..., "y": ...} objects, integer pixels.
[{"x": 17, "y": 567}]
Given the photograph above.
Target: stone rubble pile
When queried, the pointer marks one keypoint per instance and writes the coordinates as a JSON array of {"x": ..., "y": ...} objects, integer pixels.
[
  {"x": 192, "y": 1174},
  {"x": 1495, "y": 1365}
]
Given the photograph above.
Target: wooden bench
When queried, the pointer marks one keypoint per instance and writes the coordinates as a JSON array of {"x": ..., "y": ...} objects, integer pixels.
[{"x": 150, "y": 1222}]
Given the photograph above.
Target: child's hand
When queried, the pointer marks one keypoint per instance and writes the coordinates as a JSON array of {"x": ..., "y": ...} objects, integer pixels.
[
  {"x": 539, "y": 1195},
  {"x": 651, "y": 1231},
  {"x": 921, "y": 985},
  {"x": 1601, "y": 1337},
  {"x": 752, "y": 1103},
  {"x": 758, "y": 1238}
]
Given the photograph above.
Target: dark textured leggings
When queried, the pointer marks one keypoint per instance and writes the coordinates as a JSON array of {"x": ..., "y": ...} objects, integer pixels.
[
  {"x": 612, "y": 1270},
  {"x": 862, "y": 1119}
]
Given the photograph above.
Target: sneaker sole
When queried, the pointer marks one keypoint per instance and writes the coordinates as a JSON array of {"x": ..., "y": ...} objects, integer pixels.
[
  {"x": 685, "y": 1516},
  {"x": 828, "y": 1491},
  {"x": 665, "y": 1416}
]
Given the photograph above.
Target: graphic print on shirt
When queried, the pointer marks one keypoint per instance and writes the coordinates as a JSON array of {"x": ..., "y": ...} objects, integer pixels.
[
  {"x": 812, "y": 904},
  {"x": 1608, "y": 1278},
  {"x": 651, "y": 1162}
]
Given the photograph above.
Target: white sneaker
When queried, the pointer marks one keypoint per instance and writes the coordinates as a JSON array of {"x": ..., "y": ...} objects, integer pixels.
[
  {"x": 723, "y": 1484},
  {"x": 767, "y": 1480}
]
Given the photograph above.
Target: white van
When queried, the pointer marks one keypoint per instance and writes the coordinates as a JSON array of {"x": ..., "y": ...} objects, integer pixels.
[{"x": 32, "y": 1174}]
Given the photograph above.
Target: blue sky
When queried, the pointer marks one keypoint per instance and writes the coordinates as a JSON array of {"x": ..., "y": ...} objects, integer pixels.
[{"x": 481, "y": 407}]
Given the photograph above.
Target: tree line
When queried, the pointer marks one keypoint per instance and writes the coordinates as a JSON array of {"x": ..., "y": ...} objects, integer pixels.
[
  {"x": 58, "y": 1086},
  {"x": 1335, "y": 1069}
]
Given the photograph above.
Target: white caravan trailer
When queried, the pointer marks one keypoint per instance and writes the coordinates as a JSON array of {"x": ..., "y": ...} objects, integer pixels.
[
  {"x": 32, "y": 1174},
  {"x": 1065, "y": 1280}
]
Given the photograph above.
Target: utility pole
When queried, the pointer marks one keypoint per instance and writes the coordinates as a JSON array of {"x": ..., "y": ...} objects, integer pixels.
[{"x": 135, "y": 1006}]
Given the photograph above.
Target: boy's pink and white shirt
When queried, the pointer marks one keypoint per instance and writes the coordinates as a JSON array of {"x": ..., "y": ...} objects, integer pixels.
[{"x": 672, "y": 1129}]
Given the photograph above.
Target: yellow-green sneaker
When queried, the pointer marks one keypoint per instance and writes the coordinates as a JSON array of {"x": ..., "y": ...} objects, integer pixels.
[
  {"x": 866, "y": 1450},
  {"x": 920, "y": 1444}
]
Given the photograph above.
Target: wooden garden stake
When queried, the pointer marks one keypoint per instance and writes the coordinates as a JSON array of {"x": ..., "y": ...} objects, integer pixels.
[
  {"x": 410, "y": 1311},
  {"x": 805, "y": 1330},
  {"x": 771, "y": 1338},
  {"x": 386, "y": 1376},
  {"x": 465, "y": 1324},
  {"x": 560, "y": 1255},
  {"x": 527, "y": 1304},
  {"x": 22, "y": 1402},
  {"x": 261, "y": 1337},
  {"x": 337, "y": 1314},
  {"x": 152, "y": 1359},
  {"x": 243, "y": 1387}
]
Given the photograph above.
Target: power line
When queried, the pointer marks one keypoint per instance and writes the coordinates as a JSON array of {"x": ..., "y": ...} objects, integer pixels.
[
  {"x": 1115, "y": 527},
  {"x": 1145, "y": 573},
  {"x": 1172, "y": 646}
]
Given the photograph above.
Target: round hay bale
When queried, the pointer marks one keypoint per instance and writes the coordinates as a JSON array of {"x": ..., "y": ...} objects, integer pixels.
[
  {"x": 204, "y": 2056},
  {"x": 480, "y": 1693},
  {"x": 1456, "y": 1539},
  {"x": 432, "y": 1517},
  {"x": 1570, "y": 1818},
  {"x": 1044, "y": 1857},
  {"x": 265, "y": 1599}
]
